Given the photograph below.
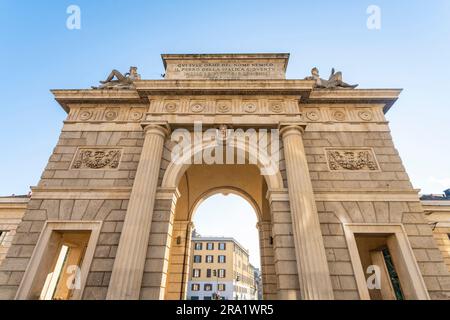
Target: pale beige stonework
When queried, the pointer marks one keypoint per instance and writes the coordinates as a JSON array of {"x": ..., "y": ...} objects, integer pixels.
[
  {"x": 313, "y": 268},
  {"x": 136, "y": 228},
  {"x": 27, "y": 290},
  {"x": 438, "y": 215},
  {"x": 11, "y": 213},
  {"x": 144, "y": 201},
  {"x": 231, "y": 66}
]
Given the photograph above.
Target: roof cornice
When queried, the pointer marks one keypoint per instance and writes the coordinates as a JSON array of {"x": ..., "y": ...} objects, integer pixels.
[
  {"x": 303, "y": 89},
  {"x": 383, "y": 96}
]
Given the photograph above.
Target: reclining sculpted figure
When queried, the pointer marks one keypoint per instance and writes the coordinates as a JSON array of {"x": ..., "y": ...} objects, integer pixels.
[
  {"x": 333, "y": 82},
  {"x": 121, "y": 81}
]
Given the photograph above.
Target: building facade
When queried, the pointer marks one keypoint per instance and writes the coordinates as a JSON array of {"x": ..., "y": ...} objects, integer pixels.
[
  {"x": 258, "y": 283},
  {"x": 220, "y": 269},
  {"x": 437, "y": 212},
  {"x": 12, "y": 210},
  {"x": 117, "y": 206}
]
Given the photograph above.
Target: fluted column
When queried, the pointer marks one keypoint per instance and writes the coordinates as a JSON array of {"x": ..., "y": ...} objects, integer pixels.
[
  {"x": 129, "y": 263},
  {"x": 312, "y": 265}
]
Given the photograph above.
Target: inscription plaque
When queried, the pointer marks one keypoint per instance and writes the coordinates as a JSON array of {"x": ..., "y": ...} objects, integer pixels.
[{"x": 224, "y": 67}]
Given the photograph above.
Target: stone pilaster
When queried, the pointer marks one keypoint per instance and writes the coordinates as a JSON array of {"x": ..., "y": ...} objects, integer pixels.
[
  {"x": 156, "y": 269},
  {"x": 268, "y": 274},
  {"x": 283, "y": 247},
  {"x": 129, "y": 264},
  {"x": 312, "y": 265},
  {"x": 180, "y": 250}
]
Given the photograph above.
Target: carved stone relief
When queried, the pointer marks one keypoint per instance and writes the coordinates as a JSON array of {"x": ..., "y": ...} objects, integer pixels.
[
  {"x": 339, "y": 115},
  {"x": 136, "y": 114},
  {"x": 250, "y": 108},
  {"x": 365, "y": 115},
  {"x": 223, "y": 107},
  {"x": 111, "y": 114},
  {"x": 276, "y": 108},
  {"x": 107, "y": 114},
  {"x": 349, "y": 113},
  {"x": 85, "y": 115},
  {"x": 232, "y": 106},
  {"x": 351, "y": 159},
  {"x": 171, "y": 107},
  {"x": 97, "y": 158},
  {"x": 197, "y": 108},
  {"x": 313, "y": 115}
]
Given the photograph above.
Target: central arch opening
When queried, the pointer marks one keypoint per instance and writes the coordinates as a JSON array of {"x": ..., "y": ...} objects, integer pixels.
[
  {"x": 227, "y": 205},
  {"x": 225, "y": 253}
]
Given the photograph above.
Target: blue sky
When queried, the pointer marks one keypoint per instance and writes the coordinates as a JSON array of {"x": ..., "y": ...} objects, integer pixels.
[{"x": 38, "y": 53}]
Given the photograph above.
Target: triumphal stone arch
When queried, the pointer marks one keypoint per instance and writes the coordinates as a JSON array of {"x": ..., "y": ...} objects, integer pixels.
[{"x": 338, "y": 217}]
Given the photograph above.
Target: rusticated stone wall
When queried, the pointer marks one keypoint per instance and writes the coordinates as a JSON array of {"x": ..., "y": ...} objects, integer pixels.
[
  {"x": 389, "y": 177},
  {"x": 65, "y": 182}
]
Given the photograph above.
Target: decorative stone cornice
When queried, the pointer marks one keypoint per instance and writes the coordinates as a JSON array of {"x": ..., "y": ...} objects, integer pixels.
[
  {"x": 167, "y": 193},
  {"x": 235, "y": 87},
  {"x": 277, "y": 195},
  {"x": 119, "y": 113},
  {"x": 66, "y": 97},
  {"x": 226, "y": 56},
  {"x": 384, "y": 96},
  {"x": 437, "y": 207},
  {"x": 13, "y": 203},
  {"x": 302, "y": 89},
  {"x": 81, "y": 193}
]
